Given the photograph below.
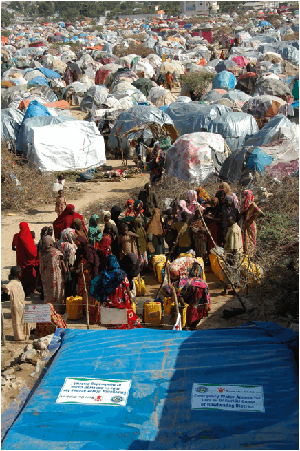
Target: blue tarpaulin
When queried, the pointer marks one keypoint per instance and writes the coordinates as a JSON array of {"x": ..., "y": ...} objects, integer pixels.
[
  {"x": 224, "y": 80},
  {"x": 39, "y": 80},
  {"x": 162, "y": 367},
  {"x": 34, "y": 109},
  {"x": 258, "y": 160},
  {"x": 49, "y": 73}
]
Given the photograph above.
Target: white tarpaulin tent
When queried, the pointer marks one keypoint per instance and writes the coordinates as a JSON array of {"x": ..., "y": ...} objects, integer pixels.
[{"x": 70, "y": 145}]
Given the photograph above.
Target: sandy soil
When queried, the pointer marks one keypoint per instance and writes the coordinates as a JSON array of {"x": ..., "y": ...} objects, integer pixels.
[{"x": 44, "y": 215}]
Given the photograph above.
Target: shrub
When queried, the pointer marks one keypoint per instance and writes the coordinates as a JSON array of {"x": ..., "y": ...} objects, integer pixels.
[{"x": 197, "y": 82}]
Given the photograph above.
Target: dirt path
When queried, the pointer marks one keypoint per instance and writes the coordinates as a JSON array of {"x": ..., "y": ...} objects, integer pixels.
[{"x": 45, "y": 215}]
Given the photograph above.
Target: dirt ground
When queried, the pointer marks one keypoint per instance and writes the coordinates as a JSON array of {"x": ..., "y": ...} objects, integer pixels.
[{"x": 82, "y": 195}]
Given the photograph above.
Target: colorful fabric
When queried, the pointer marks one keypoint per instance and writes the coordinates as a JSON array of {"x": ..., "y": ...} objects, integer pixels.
[
  {"x": 67, "y": 246},
  {"x": 201, "y": 195},
  {"x": 130, "y": 211},
  {"x": 57, "y": 321},
  {"x": 119, "y": 298},
  {"x": 165, "y": 143},
  {"x": 195, "y": 292},
  {"x": 249, "y": 229},
  {"x": 61, "y": 203},
  {"x": 184, "y": 267},
  {"x": 127, "y": 244},
  {"x": 100, "y": 76},
  {"x": 89, "y": 254},
  {"x": 65, "y": 220},
  {"x": 182, "y": 204},
  {"x": 51, "y": 272},
  {"x": 248, "y": 199},
  {"x": 227, "y": 189},
  {"x": 108, "y": 280},
  {"x": 25, "y": 247},
  {"x": 94, "y": 233},
  {"x": 192, "y": 197}
]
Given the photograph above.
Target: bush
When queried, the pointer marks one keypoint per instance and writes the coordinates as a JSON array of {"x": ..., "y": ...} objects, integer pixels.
[
  {"x": 197, "y": 82},
  {"x": 35, "y": 187},
  {"x": 138, "y": 49}
]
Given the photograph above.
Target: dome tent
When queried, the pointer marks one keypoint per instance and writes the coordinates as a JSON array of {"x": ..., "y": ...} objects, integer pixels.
[{"x": 193, "y": 157}]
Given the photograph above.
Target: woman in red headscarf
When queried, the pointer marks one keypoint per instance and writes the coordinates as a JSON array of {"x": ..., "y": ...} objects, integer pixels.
[
  {"x": 248, "y": 215},
  {"x": 65, "y": 219},
  {"x": 27, "y": 258}
]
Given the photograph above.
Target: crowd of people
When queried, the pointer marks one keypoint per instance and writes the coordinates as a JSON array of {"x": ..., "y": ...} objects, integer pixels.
[{"x": 102, "y": 260}]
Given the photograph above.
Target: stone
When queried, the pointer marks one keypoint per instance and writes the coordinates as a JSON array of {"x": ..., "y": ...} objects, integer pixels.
[
  {"x": 28, "y": 355},
  {"x": 13, "y": 385},
  {"x": 28, "y": 347},
  {"x": 3, "y": 381},
  {"x": 8, "y": 372}
]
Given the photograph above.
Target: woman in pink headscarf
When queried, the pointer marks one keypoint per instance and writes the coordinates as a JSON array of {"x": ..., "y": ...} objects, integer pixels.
[
  {"x": 248, "y": 215},
  {"x": 193, "y": 204},
  {"x": 182, "y": 208}
]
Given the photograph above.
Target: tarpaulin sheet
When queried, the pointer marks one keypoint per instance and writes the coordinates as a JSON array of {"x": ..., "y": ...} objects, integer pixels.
[
  {"x": 11, "y": 120},
  {"x": 70, "y": 145},
  {"x": 183, "y": 115},
  {"x": 162, "y": 367}
]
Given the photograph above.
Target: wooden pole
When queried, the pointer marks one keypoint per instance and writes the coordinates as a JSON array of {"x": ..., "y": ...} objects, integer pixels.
[
  {"x": 225, "y": 264},
  {"x": 86, "y": 296},
  {"x": 2, "y": 331}
]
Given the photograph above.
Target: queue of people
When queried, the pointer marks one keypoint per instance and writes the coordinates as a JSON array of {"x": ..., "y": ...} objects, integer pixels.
[{"x": 101, "y": 261}]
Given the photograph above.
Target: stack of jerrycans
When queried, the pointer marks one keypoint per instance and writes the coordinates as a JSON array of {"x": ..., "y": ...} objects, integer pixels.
[{"x": 158, "y": 263}]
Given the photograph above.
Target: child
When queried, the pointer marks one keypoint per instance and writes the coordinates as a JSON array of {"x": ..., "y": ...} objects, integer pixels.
[
  {"x": 127, "y": 241},
  {"x": 61, "y": 202},
  {"x": 17, "y": 301}
]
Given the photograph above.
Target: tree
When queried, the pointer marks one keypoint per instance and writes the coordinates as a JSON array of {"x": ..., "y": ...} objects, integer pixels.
[
  {"x": 45, "y": 9},
  {"x": 5, "y": 19},
  {"x": 197, "y": 82}
]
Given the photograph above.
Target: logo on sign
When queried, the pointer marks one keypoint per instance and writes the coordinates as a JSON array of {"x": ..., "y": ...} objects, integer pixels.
[
  {"x": 221, "y": 390},
  {"x": 202, "y": 389},
  {"x": 98, "y": 398},
  {"x": 117, "y": 399}
]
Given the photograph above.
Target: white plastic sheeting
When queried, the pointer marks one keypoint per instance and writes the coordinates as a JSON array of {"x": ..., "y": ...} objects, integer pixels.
[
  {"x": 193, "y": 157},
  {"x": 71, "y": 145}
]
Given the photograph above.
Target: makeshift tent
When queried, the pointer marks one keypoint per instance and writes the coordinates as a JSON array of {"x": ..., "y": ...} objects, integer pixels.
[
  {"x": 235, "y": 128},
  {"x": 94, "y": 97},
  {"x": 246, "y": 82},
  {"x": 40, "y": 121},
  {"x": 132, "y": 117},
  {"x": 193, "y": 157},
  {"x": 262, "y": 106},
  {"x": 11, "y": 120},
  {"x": 144, "y": 85},
  {"x": 272, "y": 87},
  {"x": 67, "y": 146},
  {"x": 258, "y": 160},
  {"x": 34, "y": 109},
  {"x": 268, "y": 132},
  {"x": 171, "y": 371},
  {"x": 224, "y": 80},
  {"x": 182, "y": 114},
  {"x": 206, "y": 114}
]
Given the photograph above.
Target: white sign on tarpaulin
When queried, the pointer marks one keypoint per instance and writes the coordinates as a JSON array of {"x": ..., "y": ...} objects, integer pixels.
[
  {"x": 241, "y": 398},
  {"x": 87, "y": 390},
  {"x": 37, "y": 313}
]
